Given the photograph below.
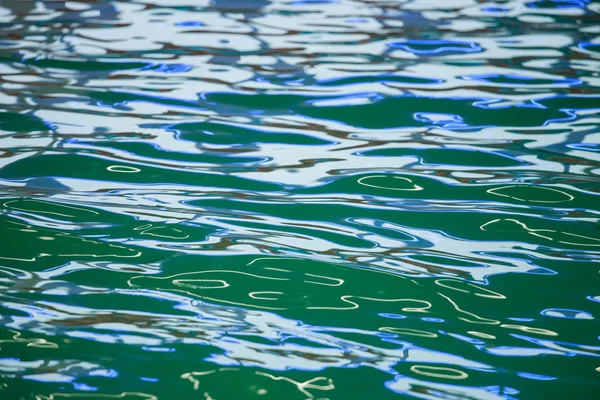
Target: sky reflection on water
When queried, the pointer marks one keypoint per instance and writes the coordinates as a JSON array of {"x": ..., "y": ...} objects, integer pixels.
[{"x": 299, "y": 199}]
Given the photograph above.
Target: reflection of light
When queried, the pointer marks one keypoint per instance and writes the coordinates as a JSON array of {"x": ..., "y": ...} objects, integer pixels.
[
  {"x": 16, "y": 338},
  {"x": 437, "y": 47},
  {"x": 32, "y": 259},
  {"x": 408, "y": 331},
  {"x": 167, "y": 68},
  {"x": 566, "y": 313},
  {"x": 480, "y": 291},
  {"x": 189, "y": 23},
  {"x": 254, "y": 295},
  {"x": 236, "y": 303},
  {"x": 430, "y": 319},
  {"x": 158, "y": 349},
  {"x": 123, "y": 168},
  {"x": 394, "y": 316},
  {"x": 84, "y": 388},
  {"x": 339, "y": 282},
  {"x": 536, "y": 376},
  {"x": 560, "y": 347},
  {"x": 270, "y": 258},
  {"x": 536, "y": 232},
  {"x": 497, "y": 192},
  {"x": 529, "y": 329},
  {"x": 594, "y": 298},
  {"x": 302, "y": 386},
  {"x": 414, "y": 188},
  {"x": 520, "y": 80},
  {"x": 150, "y": 229},
  {"x": 439, "y": 372},
  {"x": 49, "y": 203},
  {"x": 354, "y": 305},
  {"x": 124, "y": 395},
  {"x": 380, "y": 78},
  {"x": 481, "y": 335},
  {"x": 49, "y": 377},
  {"x": 433, "y": 391},
  {"x": 478, "y": 319}
]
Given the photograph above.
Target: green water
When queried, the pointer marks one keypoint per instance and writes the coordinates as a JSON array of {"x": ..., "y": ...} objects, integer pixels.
[{"x": 302, "y": 200}]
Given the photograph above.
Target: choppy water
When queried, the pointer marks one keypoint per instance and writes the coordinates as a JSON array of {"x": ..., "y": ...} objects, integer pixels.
[{"x": 299, "y": 199}]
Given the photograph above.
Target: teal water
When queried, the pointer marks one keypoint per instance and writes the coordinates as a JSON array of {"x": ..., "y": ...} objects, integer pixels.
[{"x": 299, "y": 199}]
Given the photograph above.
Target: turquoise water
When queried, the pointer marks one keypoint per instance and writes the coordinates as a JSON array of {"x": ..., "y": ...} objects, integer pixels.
[{"x": 299, "y": 199}]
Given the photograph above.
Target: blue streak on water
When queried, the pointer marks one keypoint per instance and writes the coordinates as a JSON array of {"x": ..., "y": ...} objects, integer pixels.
[{"x": 436, "y": 47}]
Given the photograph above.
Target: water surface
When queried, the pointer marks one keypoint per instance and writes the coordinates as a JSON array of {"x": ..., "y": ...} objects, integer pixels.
[{"x": 299, "y": 199}]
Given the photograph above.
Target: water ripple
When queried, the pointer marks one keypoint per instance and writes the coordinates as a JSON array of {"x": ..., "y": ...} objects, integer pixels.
[{"x": 303, "y": 199}]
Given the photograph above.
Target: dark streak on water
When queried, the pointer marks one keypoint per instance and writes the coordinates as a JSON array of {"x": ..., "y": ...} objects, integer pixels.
[{"x": 299, "y": 199}]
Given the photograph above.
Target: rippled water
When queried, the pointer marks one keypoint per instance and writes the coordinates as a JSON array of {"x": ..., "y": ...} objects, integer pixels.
[{"x": 299, "y": 199}]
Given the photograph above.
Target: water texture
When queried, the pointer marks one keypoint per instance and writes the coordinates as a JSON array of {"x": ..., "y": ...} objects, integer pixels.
[{"x": 299, "y": 199}]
